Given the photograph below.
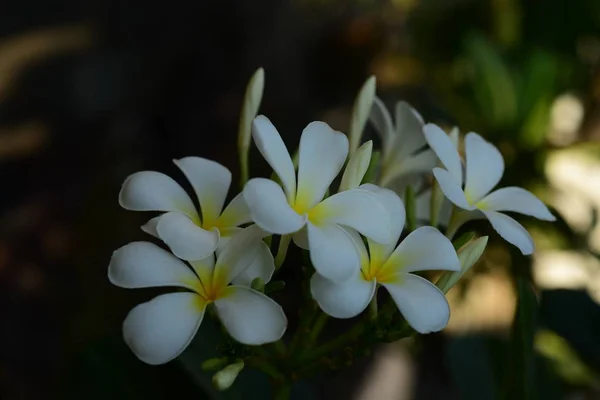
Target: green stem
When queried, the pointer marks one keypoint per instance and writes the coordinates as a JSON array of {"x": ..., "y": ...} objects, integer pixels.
[
  {"x": 373, "y": 308},
  {"x": 284, "y": 243},
  {"x": 244, "y": 174},
  {"x": 434, "y": 205},
  {"x": 283, "y": 391},
  {"x": 333, "y": 345},
  {"x": 454, "y": 223},
  {"x": 266, "y": 367},
  {"x": 317, "y": 327},
  {"x": 411, "y": 212}
]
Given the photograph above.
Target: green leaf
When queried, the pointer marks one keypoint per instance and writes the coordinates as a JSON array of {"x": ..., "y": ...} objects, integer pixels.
[{"x": 495, "y": 91}]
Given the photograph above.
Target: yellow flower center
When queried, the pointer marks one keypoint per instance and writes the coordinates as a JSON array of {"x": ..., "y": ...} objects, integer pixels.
[{"x": 383, "y": 271}]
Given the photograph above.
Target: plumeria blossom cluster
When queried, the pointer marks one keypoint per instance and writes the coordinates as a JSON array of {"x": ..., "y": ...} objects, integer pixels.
[{"x": 352, "y": 210}]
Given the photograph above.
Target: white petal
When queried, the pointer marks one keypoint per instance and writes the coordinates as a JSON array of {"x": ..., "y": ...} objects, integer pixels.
[
  {"x": 270, "y": 209},
  {"x": 517, "y": 200},
  {"x": 357, "y": 167},
  {"x": 358, "y": 209},
  {"x": 332, "y": 251},
  {"x": 144, "y": 264},
  {"x": 451, "y": 189},
  {"x": 382, "y": 121},
  {"x": 409, "y": 129},
  {"x": 485, "y": 167},
  {"x": 186, "y": 239},
  {"x": 239, "y": 254},
  {"x": 236, "y": 213},
  {"x": 301, "y": 238},
  {"x": 262, "y": 267},
  {"x": 210, "y": 181},
  {"x": 251, "y": 317},
  {"x": 150, "y": 227},
  {"x": 411, "y": 164},
  {"x": 204, "y": 268},
  {"x": 397, "y": 216},
  {"x": 272, "y": 148},
  {"x": 159, "y": 330},
  {"x": 423, "y": 249},
  {"x": 154, "y": 191},
  {"x": 445, "y": 149},
  {"x": 421, "y": 303},
  {"x": 511, "y": 231},
  {"x": 322, "y": 153},
  {"x": 343, "y": 300}
]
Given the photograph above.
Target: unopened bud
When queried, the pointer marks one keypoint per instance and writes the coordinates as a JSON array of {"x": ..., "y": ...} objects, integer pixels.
[
  {"x": 223, "y": 379},
  {"x": 213, "y": 364},
  {"x": 468, "y": 256},
  {"x": 258, "y": 284}
]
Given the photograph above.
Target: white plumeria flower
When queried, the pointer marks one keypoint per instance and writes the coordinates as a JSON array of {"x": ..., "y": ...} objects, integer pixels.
[
  {"x": 159, "y": 330},
  {"x": 189, "y": 234},
  {"x": 322, "y": 154},
  {"x": 484, "y": 168},
  {"x": 402, "y": 142},
  {"x": 421, "y": 303}
]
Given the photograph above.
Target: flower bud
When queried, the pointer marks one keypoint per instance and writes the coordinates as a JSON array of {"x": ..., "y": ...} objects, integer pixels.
[
  {"x": 468, "y": 256},
  {"x": 357, "y": 167},
  {"x": 360, "y": 112},
  {"x": 213, "y": 364},
  {"x": 252, "y": 99},
  {"x": 223, "y": 379}
]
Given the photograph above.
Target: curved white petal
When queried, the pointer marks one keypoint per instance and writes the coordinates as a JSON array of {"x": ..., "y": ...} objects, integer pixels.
[
  {"x": 332, "y": 252},
  {"x": 382, "y": 121},
  {"x": 186, "y": 239},
  {"x": 343, "y": 300},
  {"x": 150, "y": 227},
  {"x": 210, "y": 181},
  {"x": 517, "y": 200},
  {"x": 300, "y": 238},
  {"x": 155, "y": 191},
  {"x": 322, "y": 153},
  {"x": 262, "y": 267},
  {"x": 272, "y": 148},
  {"x": 240, "y": 252},
  {"x": 159, "y": 330},
  {"x": 409, "y": 129},
  {"x": 144, "y": 264},
  {"x": 445, "y": 149},
  {"x": 236, "y": 213},
  {"x": 485, "y": 167},
  {"x": 358, "y": 209},
  {"x": 204, "y": 268},
  {"x": 511, "y": 231},
  {"x": 419, "y": 163},
  {"x": 397, "y": 216},
  {"x": 421, "y": 303},
  {"x": 251, "y": 317},
  {"x": 451, "y": 189},
  {"x": 423, "y": 249},
  {"x": 270, "y": 209}
]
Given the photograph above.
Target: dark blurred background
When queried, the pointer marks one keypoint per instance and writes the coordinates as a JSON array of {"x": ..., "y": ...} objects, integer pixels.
[{"x": 91, "y": 91}]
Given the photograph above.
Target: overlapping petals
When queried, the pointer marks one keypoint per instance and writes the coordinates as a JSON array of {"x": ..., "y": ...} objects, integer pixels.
[
  {"x": 422, "y": 304},
  {"x": 159, "y": 330},
  {"x": 189, "y": 234},
  {"x": 483, "y": 170},
  {"x": 301, "y": 207},
  {"x": 403, "y": 143}
]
